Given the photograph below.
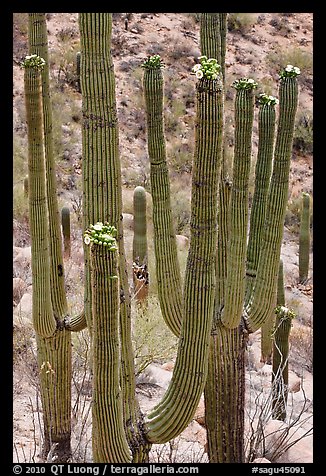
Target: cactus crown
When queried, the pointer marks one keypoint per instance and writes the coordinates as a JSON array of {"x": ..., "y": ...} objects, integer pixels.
[
  {"x": 290, "y": 72},
  {"x": 244, "y": 83},
  {"x": 208, "y": 68},
  {"x": 34, "y": 62},
  {"x": 268, "y": 100},
  {"x": 285, "y": 312},
  {"x": 153, "y": 62},
  {"x": 101, "y": 234}
]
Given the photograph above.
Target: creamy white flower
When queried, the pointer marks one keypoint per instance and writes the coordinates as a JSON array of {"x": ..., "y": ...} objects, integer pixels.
[
  {"x": 197, "y": 67},
  {"x": 98, "y": 226},
  {"x": 296, "y": 70},
  {"x": 283, "y": 309},
  {"x": 251, "y": 81},
  {"x": 87, "y": 240},
  {"x": 289, "y": 67},
  {"x": 199, "y": 74}
]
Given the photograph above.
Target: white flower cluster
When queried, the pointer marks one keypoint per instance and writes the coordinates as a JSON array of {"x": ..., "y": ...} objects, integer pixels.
[
  {"x": 290, "y": 72},
  {"x": 283, "y": 311},
  {"x": 244, "y": 83},
  {"x": 101, "y": 234},
  {"x": 208, "y": 68},
  {"x": 33, "y": 61},
  {"x": 153, "y": 62},
  {"x": 266, "y": 99}
]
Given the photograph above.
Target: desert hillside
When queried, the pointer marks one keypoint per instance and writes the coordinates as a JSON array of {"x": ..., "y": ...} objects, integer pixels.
[{"x": 259, "y": 45}]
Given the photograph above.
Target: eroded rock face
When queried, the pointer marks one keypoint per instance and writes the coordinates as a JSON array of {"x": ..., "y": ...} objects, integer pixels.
[{"x": 18, "y": 289}]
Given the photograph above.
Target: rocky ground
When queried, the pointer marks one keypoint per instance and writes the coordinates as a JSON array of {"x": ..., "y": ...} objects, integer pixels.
[{"x": 252, "y": 51}]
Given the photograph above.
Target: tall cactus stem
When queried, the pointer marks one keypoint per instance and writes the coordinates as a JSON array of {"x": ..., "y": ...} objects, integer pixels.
[
  {"x": 165, "y": 247},
  {"x": 65, "y": 223},
  {"x": 304, "y": 239},
  {"x": 108, "y": 435},
  {"x": 174, "y": 412}
]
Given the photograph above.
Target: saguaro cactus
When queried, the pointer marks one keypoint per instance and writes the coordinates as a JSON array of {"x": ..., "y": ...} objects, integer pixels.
[
  {"x": 53, "y": 343},
  {"x": 280, "y": 375},
  {"x": 108, "y": 434},
  {"x": 65, "y": 223},
  {"x": 239, "y": 312},
  {"x": 102, "y": 193},
  {"x": 304, "y": 241}
]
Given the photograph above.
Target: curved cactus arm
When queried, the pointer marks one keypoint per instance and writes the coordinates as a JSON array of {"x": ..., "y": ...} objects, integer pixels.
[
  {"x": 234, "y": 287},
  {"x": 266, "y": 132},
  {"x": 264, "y": 293},
  {"x": 171, "y": 416},
  {"x": 43, "y": 318},
  {"x": 65, "y": 222},
  {"x": 139, "y": 248},
  {"x": 108, "y": 434},
  {"x": 75, "y": 323},
  {"x": 166, "y": 254},
  {"x": 38, "y": 44},
  {"x": 304, "y": 240}
]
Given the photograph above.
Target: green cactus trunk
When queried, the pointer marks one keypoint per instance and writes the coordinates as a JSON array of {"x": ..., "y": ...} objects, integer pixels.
[
  {"x": 304, "y": 240},
  {"x": 65, "y": 223},
  {"x": 165, "y": 247},
  {"x": 280, "y": 375},
  {"x": 53, "y": 345},
  {"x": 171, "y": 416},
  {"x": 78, "y": 71},
  {"x": 108, "y": 434},
  {"x": 139, "y": 247},
  {"x": 102, "y": 193}
]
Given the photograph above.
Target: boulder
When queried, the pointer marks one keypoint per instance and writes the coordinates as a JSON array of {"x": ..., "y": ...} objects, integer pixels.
[
  {"x": 128, "y": 221},
  {"x": 182, "y": 242},
  {"x": 155, "y": 375},
  {"x": 199, "y": 416},
  {"x": 260, "y": 461}
]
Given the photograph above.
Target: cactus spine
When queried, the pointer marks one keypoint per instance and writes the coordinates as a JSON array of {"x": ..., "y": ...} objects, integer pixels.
[
  {"x": 53, "y": 345},
  {"x": 304, "y": 240},
  {"x": 65, "y": 223}
]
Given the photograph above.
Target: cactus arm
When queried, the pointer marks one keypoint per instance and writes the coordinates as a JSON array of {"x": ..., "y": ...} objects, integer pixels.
[
  {"x": 174, "y": 412},
  {"x": 108, "y": 436},
  {"x": 233, "y": 302},
  {"x": 53, "y": 346},
  {"x": 65, "y": 222},
  {"x": 166, "y": 255},
  {"x": 43, "y": 318},
  {"x": 266, "y": 131},
  {"x": 280, "y": 374},
  {"x": 38, "y": 44},
  {"x": 304, "y": 240},
  {"x": 266, "y": 281},
  {"x": 139, "y": 248}
]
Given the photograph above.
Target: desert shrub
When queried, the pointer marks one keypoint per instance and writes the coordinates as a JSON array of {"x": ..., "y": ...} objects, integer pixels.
[
  {"x": 303, "y": 133},
  {"x": 241, "y": 22},
  {"x": 296, "y": 56},
  {"x": 67, "y": 33},
  {"x": 292, "y": 215},
  {"x": 153, "y": 340},
  {"x": 281, "y": 25},
  {"x": 301, "y": 339},
  {"x": 180, "y": 193}
]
